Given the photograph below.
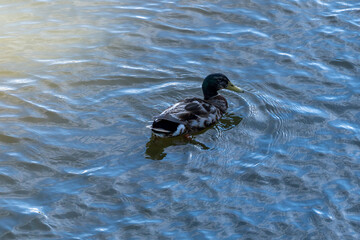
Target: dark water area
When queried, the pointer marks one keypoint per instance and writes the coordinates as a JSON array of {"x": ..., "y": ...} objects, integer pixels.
[{"x": 81, "y": 80}]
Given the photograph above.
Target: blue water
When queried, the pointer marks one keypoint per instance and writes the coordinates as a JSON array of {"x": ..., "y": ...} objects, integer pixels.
[{"x": 81, "y": 80}]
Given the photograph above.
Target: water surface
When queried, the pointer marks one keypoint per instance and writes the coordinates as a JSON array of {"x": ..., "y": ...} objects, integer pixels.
[{"x": 81, "y": 80}]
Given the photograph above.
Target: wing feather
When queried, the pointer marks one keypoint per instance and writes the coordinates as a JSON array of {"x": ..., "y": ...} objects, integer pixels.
[{"x": 192, "y": 113}]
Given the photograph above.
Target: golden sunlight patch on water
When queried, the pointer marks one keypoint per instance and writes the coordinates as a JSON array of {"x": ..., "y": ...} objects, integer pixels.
[{"x": 40, "y": 31}]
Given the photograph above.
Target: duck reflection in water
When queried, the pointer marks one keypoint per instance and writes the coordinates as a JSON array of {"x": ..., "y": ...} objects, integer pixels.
[{"x": 155, "y": 148}]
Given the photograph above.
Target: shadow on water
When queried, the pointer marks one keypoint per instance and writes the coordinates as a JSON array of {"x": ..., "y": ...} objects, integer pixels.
[
  {"x": 156, "y": 146},
  {"x": 228, "y": 121}
]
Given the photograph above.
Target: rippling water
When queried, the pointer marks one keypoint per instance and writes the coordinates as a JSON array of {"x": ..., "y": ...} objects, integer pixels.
[{"x": 81, "y": 80}]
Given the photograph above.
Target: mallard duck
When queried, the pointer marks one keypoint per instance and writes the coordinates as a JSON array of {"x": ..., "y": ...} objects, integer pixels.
[{"x": 194, "y": 114}]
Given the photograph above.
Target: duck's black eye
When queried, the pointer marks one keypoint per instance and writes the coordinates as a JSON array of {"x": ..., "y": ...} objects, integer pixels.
[{"x": 223, "y": 83}]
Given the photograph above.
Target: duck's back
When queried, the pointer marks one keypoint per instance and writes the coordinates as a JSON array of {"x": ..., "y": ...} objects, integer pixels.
[{"x": 191, "y": 114}]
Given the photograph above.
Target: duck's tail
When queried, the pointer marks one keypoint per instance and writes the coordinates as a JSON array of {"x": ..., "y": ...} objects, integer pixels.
[{"x": 166, "y": 128}]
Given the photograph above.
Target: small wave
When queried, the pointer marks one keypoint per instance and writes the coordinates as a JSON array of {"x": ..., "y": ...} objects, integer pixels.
[
  {"x": 342, "y": 63},
  {"x": 60, "y": 61},
  {"x": 8, "y": 139}
]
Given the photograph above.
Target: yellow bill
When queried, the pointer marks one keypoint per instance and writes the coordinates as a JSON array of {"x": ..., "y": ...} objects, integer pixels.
[{"x": 234, "y": 88}]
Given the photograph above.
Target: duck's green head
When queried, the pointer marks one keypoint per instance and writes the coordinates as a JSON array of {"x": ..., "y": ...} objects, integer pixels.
[{"x": 215, "y": 82}]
